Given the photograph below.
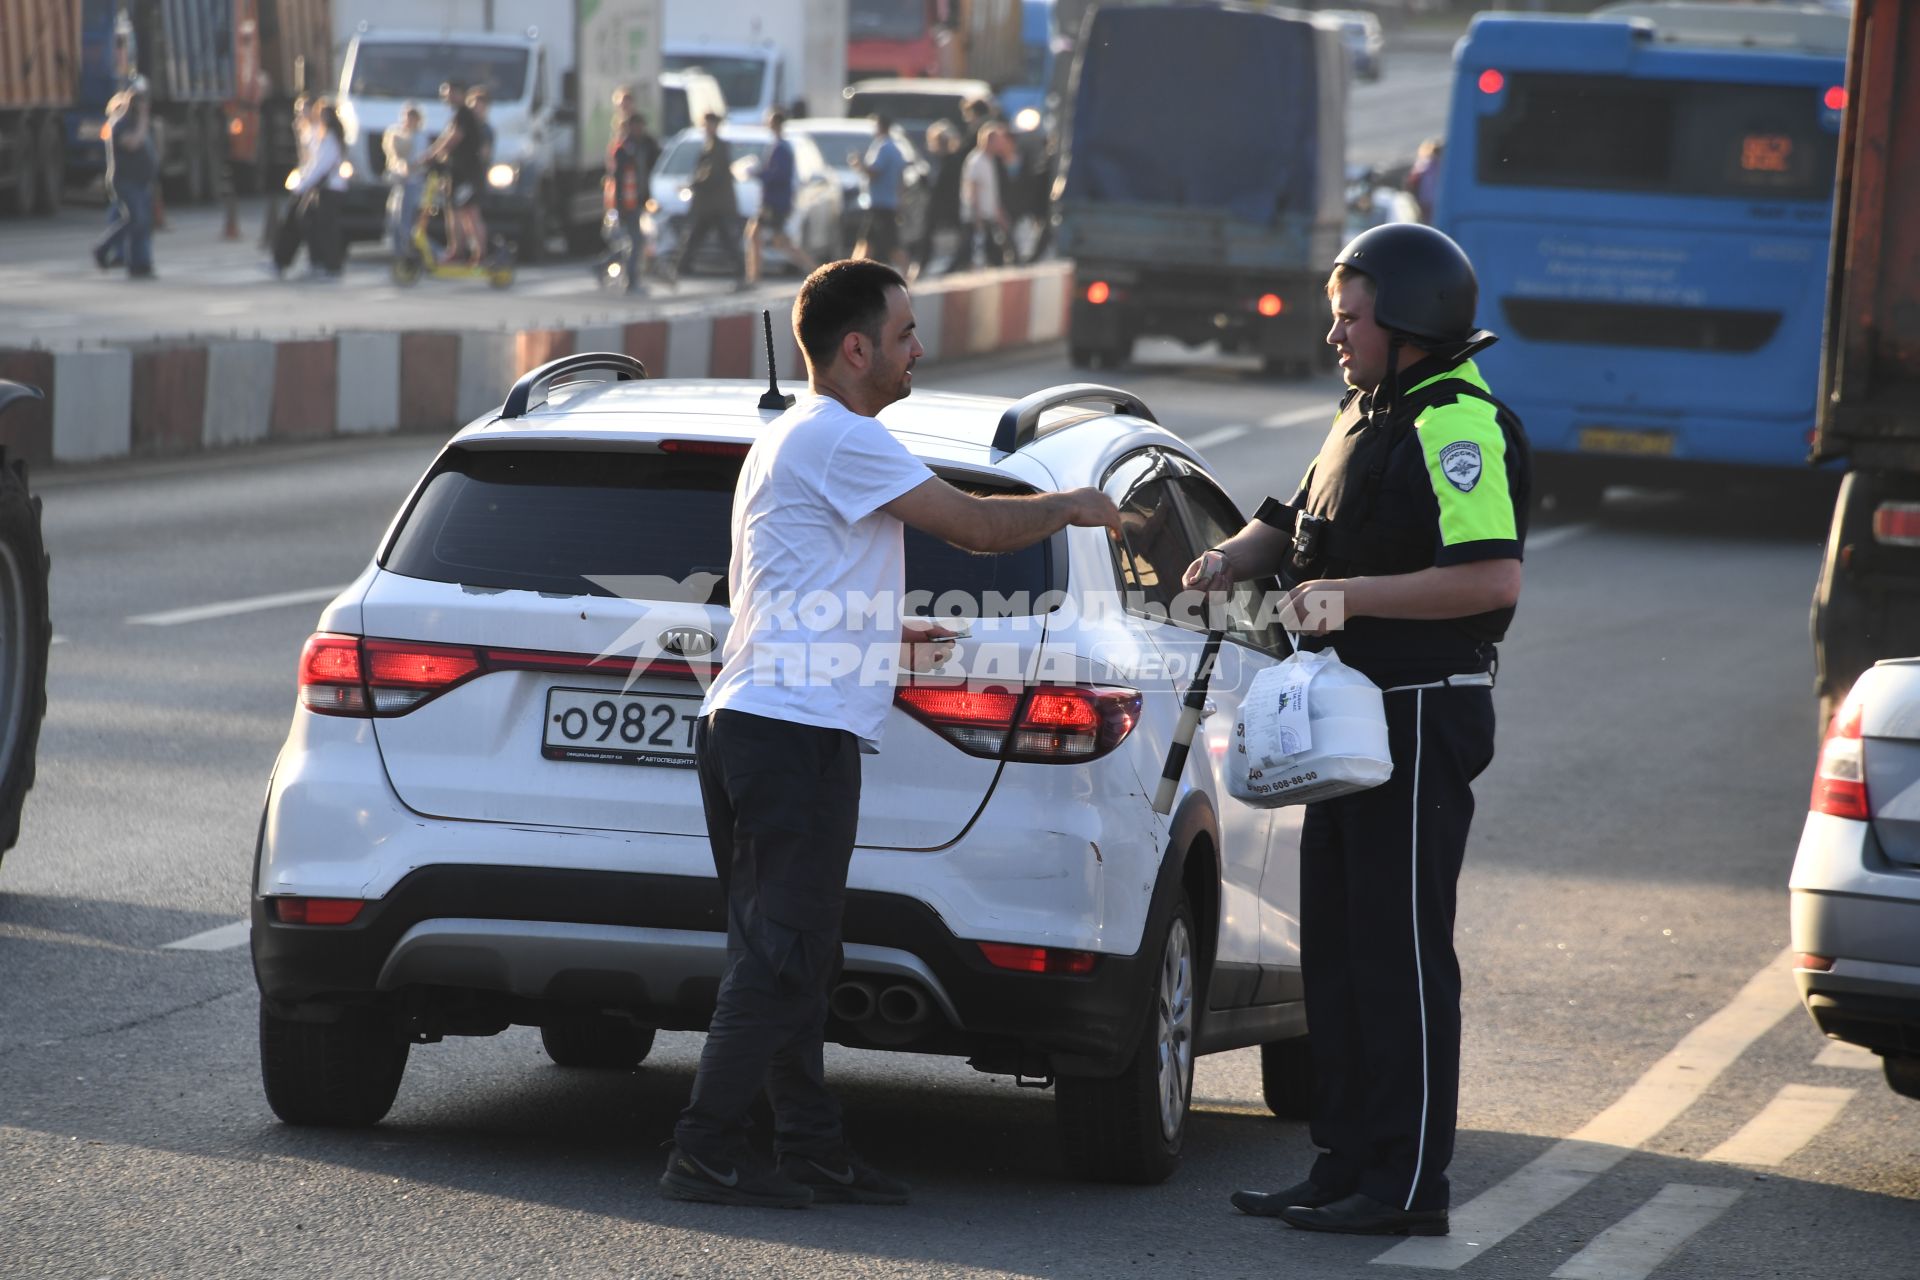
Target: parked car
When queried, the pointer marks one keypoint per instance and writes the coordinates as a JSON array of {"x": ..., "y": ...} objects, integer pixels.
[
  {"x": 839, "y": 141},
  {"x": 485, "y": 812},
  {"x": 916, "y": 102},
  {"x": 817, "y": 203},
  {"x": 1855, "y": 887},
  {"x": 687, "y": 98},
  {"x": 1360, "y": 31}
]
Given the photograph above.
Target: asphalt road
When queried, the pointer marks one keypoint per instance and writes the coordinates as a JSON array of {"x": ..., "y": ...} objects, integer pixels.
[
  {"x": 209, "y": 285},
  {"x": 1625, "y": 886}
]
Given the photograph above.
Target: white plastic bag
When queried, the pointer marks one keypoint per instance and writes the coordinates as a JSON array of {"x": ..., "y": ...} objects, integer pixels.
[{"x": 1310, "y": 728}]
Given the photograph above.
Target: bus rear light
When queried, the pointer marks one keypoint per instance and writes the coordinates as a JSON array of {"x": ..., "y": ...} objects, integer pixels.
[
  {"x": 1840, "y": 779},
  {"x": 1047, "y": 724},
  {"x": 1099, "y": 293},
  {"x": 1491, "y": 81},
  {"x": 1897, "y": 524},
  {"x": 1836, "y": 98},
  {"x": 1270, "y": 305}
]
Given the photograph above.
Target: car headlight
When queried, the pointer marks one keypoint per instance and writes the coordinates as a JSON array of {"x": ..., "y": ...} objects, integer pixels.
[
  {"x": 1027, "y": 120},
  {"x": 346, "y": 169},
  {"x": 686, "y": 195},
  {"x": 501, "y": 176},
  {"x": 293, "y": 179}
]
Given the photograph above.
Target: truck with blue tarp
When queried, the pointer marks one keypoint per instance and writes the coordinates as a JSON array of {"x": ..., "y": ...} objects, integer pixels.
[
  {"x": 184, "y": 51},
  {"x": 1201, "y": 193}
]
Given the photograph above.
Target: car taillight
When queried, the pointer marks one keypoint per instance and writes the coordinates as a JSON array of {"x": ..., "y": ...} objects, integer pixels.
[
  {"x": 316, "y": 910},
  {"x": 349, "y": 676},
  {"x": 403, "y": 674},
  {"x": 1897, "y": 524},
  {"x": 1045, "y": 724},
  {"x": 1840, "y": 779},
  {"x": 1008, "y": 955},
  {"x": 330, "y": 680}
]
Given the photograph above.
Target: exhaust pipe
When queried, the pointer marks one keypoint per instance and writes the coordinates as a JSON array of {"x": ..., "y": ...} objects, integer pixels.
[
  {"x": 903, "y": 1005},
  {"x": 852, "y": 1002}
]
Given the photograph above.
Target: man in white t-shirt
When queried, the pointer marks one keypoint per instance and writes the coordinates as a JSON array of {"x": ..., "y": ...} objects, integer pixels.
[{"x": 816, "y": 575}]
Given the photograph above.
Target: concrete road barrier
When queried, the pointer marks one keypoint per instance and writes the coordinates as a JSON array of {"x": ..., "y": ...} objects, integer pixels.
[{"x": 167, "y": 398}]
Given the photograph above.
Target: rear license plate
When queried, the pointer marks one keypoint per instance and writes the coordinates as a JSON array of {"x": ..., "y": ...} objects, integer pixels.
[
  {"x": 1654, "y": 444},
  {"x": 619, "y": 728}
]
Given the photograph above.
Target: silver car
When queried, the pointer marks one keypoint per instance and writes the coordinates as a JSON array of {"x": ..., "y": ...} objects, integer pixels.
[{"x": 1856, "y": 878}]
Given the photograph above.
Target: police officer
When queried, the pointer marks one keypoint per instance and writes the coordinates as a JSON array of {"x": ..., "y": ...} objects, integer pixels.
[{"x": 1402, "y": 547}]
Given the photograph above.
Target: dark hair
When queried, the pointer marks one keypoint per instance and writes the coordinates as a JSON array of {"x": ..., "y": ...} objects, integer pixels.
[
  {"x": 882, "y": 121},
  {"x": 330, "y": 121},
  {"x": 776, "y": 118},
  {"x": 841, "y": 298}
]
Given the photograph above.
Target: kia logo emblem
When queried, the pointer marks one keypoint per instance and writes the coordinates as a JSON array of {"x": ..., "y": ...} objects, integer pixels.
[{"x": 686, "y": 642}]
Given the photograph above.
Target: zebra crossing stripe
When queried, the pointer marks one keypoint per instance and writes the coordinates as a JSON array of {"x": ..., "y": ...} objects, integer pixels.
[
  {"x": 1668, "y": 1088},
  {"x": 1631, "y": 1248},
  {"x": 1794, "y": 1118}
]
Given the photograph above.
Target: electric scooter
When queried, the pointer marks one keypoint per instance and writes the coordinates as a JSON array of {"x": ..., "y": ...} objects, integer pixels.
[{"x": 421, "y": 258}]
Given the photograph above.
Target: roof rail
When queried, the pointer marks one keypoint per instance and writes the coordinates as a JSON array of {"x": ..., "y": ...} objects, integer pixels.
[
  {"x": 555, "y": 372},
  {"x": 1020, "y": 424}
]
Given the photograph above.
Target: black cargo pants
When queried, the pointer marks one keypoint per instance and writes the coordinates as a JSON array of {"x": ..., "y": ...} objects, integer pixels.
[
  {"x": 1378, "y": 871},
  {"x": 782, "y": 802}
]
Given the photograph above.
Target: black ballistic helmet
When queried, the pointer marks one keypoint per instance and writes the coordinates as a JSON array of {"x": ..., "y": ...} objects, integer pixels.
[{"x": 1423, "y": 285}]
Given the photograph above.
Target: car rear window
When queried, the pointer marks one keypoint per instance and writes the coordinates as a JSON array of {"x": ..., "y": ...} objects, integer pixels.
[{"x": 552, "y": 521}]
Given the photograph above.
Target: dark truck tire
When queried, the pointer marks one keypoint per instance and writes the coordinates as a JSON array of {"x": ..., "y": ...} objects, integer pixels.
[
  {"x": 1286, "y": 1077},
  {"x": 597, "y": 1041},
  {"x": 342, "y": 1074},
  {"x": 26, "y": 631}
]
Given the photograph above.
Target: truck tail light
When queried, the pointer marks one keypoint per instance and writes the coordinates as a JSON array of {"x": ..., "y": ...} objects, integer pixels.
[
  {"x": 1897, "y": 524},
  {"x": 1840, "y": 779},
  {"x": 1099, "y": 293},
  {"x": 1270, "y": 305},
  {"x": 1043, "y": 724}
]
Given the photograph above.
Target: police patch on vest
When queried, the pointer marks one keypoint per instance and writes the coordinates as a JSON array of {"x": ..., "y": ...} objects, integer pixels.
[{"x": 1460, "y": 463}]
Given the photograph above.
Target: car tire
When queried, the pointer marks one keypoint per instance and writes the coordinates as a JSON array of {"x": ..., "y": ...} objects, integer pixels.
[
  {"x": 1566, "y": 492},
  {"x": 1286, "y": 1077},
  {"x": 1131, "y": 1128},
  {"x": 1080, "y": 357},
  {"x": 597, "y": 1042},
  {"x": 342, "y": 1074},
  {"x": 1903, "y": 1074},
  {"x": 27, "y": 631}
]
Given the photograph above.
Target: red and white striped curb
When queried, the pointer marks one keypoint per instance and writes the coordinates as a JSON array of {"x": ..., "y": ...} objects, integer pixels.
[{"x": 169, "y": 398}]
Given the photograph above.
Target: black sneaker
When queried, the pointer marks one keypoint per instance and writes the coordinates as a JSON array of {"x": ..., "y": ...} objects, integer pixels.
[
  {"x": 844, "y": 1178},
  {"x": 745, "y": 1179}
]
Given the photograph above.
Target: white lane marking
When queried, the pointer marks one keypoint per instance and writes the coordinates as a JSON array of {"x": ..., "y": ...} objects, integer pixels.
[
  {"x": 1552, "y": 537},
  {"x": 1794, "y": 1118},
  {"x": 227, "y": 608},
  {"x": 1631, "y": 1248},
  {"x": 1839, "y": 1053},
  {"x": 1298, "y": 417},
  {"x": 226, "y": 937},
  {"x": 1668, "y": 1088},
  {"x": 1219, "y": 435}
]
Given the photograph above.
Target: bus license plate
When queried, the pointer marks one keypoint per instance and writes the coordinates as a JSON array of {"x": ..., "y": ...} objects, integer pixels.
[
  {"x": 620, "y": 728},
  {"x": 1656, "y": 444}
]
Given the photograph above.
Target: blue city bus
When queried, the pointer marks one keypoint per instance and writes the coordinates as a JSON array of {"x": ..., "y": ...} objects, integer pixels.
[{"x": 1646, "y": 194}]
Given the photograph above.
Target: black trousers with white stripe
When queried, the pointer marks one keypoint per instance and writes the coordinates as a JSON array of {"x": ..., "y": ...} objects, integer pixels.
[{"x": 1378, "y": 871}]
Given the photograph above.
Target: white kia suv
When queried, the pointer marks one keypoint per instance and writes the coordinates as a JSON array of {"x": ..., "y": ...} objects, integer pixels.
[{"x": 486, "y": 813}]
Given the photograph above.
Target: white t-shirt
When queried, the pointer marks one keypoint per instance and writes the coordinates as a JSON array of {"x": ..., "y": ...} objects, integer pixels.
[
  {"x": 980, "y": 187},
  {"x": 817, "y": 572}
]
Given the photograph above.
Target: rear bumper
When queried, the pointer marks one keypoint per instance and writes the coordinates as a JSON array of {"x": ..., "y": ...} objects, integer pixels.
[
  {"x": 1851, "y": 904},
  {"x": 526, "y": 941},
  {"x": 1196, "y": 307}
]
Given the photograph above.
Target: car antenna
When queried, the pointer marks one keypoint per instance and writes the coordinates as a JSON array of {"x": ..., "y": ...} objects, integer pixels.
[{"x": 774, "y": 399}]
